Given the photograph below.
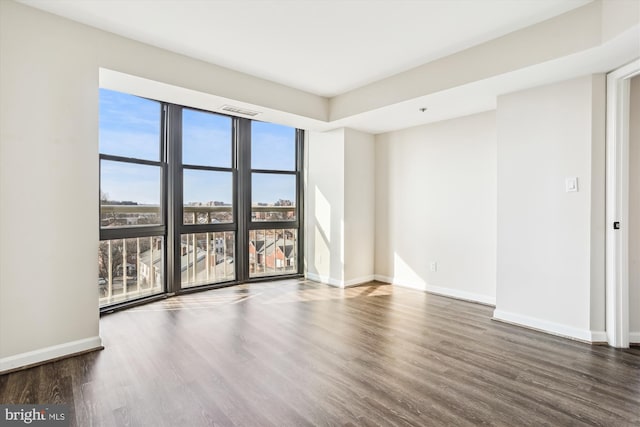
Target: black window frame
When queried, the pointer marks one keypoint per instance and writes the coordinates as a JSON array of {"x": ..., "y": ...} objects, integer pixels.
[
  {"x": 139, "y": 231},
  {"x": 176, "y": 190},
  {"x": 172, "y": 207},
  {"x": 281, "y": 224}
]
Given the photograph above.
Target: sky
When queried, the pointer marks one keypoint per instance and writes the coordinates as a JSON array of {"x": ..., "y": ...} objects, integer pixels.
[{"x": 130, "y": 127}]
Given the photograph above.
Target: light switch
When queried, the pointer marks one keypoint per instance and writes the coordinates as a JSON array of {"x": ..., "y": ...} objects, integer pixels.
[{"x": 571, "y": 184}]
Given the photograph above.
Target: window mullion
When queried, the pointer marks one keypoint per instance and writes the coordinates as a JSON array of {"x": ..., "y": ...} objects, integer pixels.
[
  {"x": 243, "y": 192},
  {"x": 174, "y": 197},
  {"x": 300, "y": 198}
]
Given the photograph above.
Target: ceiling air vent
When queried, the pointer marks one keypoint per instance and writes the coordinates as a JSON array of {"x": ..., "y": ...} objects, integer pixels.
[{"x": 237, "y": 110}]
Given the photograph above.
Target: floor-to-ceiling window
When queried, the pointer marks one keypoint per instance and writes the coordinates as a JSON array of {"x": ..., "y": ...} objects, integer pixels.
[
  {"x": 275, "y": 180},
  {"x": 131, "y": 252},
  {"x": 208, "y": 227},
  {"x": 192, "y": 198}
]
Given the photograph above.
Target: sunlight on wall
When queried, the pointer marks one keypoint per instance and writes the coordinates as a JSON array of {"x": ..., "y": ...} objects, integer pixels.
[
  {"x": 322, "y": 229},
  {"x": 322, "y": 254},
  {"x": 342, "y": 242},
  {"x": 323, "y": 214},
  {"x": 405, "y": 275}
]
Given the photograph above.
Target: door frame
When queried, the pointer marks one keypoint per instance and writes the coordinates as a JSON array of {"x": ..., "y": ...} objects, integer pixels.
[{"x": 617, "y": 204}]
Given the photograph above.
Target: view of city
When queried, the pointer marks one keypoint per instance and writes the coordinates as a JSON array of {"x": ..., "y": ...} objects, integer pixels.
[{"x": 129, "y": 268}]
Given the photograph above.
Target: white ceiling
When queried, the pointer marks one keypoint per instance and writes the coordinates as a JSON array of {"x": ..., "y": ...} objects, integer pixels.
[{"x": 326, "y": 47}]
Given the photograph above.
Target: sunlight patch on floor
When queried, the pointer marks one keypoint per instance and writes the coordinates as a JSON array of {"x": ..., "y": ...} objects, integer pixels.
[
  {"x": 330, "y": 293},
  {"x": 269, "y": 293}
]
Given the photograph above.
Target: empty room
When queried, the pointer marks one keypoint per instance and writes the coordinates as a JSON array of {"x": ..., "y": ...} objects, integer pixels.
[{"x": 319, "y": 212}]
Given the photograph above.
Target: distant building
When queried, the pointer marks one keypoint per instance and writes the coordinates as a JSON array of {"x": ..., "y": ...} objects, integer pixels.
[{"x": 272, "y": 254}]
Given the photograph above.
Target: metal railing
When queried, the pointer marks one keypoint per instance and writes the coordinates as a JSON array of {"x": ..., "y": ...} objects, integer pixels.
[
  {"x": 273, "y": 252},
  {"x": 207, "y": 258},
  {"x": 130, "y": 268},
  {"x": 134, "y": 215}
]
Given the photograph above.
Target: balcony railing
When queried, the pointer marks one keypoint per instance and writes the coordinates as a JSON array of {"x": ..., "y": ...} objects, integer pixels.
[
  {"x": 207, "y": 258},
  {"x": 131, "y": 268},
  {"x": 273, "y": 252},
  {"x": 136, "y": 215}
]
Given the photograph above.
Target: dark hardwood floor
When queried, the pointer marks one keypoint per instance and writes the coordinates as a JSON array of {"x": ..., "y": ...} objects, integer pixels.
[{"x": 298, "y": 353}]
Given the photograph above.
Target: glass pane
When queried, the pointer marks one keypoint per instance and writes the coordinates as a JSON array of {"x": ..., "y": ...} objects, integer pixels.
[
  {"x": 130, "y": 269},
  {"x": 273, "y": 197},
  {"x": 273, "y": 252},
  {"x": 206, "y": 139},
  {"x": 273, "y": 146},
  {"x": 207, "y": 196},
  {"x": 129, "y": 194},
  {"x": 207, "y": 258},
  {"x": 129, "y": 126}
]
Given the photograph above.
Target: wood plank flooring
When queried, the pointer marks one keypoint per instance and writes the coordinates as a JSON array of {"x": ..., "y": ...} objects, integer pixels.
[{"x": 298, "y": 353}]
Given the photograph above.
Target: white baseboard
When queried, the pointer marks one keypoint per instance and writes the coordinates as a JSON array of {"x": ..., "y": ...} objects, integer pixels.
[
  {"x": 447, "y": 292},
  {"x": 384, "y": 279},
  {"x": 359, "y": 281},
  {"x": 634, "y": 337},
  {"x": 49, "y": 353},
  {"x": 550, "y": 327},
  {"x": 323, "y": 279},
  {"x": 598, "y": 337},
  {"x": 339, "y": 283}
]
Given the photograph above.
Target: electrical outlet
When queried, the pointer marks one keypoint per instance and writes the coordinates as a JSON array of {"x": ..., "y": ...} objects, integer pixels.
[{"x": 433, "y": 266}]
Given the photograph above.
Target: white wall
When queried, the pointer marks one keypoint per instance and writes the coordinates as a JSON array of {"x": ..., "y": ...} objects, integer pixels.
[
  {"x": 324, "y": 205},
  {"x": 634, "y": 212},
  {"x": 49, "y": 168},
  {"x": 48, "y": 187},
  {"x": 551, "y": 243},
  {"x": 436, "y": 202},
  {"x": 359, "y": 203},
  {"x": 339, "y": 217}
]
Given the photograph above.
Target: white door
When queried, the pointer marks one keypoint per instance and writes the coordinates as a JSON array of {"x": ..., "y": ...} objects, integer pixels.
[{"x": 618, "y": 198}]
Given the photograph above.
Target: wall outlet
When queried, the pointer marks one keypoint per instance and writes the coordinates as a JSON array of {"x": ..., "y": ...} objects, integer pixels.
[{"x": 433, "y": 266}]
